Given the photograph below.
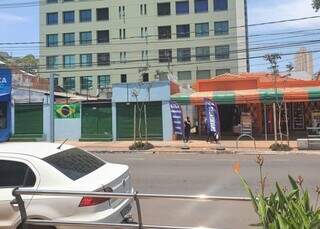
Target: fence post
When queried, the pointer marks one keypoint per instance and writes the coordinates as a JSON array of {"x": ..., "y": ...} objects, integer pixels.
[
  {"x": 23, "y": 214},
  {"x": 136, "y": 199}
]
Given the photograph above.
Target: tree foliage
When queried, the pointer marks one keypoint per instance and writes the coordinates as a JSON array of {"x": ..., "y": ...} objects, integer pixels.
[{"x": 316, "y": 4}]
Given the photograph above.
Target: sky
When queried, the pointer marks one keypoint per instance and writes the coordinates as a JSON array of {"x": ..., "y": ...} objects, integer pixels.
[{"x": 21, "y": 25}]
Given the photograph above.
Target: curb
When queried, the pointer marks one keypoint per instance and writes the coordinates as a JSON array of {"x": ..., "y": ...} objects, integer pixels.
[{"x": 213, "y": 152}]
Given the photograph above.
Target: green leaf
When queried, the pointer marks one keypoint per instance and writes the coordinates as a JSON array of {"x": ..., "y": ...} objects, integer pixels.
[
  {"x": 282, "y": 198},
  {"x": 249, "y": 191},
  {"x": 306, "y": 201},
  {"x": 293, "y": 183}
]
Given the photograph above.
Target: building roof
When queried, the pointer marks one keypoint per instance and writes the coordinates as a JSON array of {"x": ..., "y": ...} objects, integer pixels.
[{"x": 247, "y": 81}]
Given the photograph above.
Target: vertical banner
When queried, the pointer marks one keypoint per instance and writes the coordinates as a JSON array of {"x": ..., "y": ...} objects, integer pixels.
[
  {"x": 177, "y": 118},
  {"x": 212, "y": 116}
]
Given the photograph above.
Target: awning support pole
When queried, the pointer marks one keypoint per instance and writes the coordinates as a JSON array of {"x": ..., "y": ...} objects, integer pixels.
[
  {"x": 287, "y": 124},
  {"x": 275, "y": 123},
  {"x": 265, "y": 122}
]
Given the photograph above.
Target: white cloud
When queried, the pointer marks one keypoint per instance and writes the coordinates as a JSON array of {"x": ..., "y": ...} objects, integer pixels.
[
  {"x": 285, "y": 9},
  {"x": 7, "y": 18}
]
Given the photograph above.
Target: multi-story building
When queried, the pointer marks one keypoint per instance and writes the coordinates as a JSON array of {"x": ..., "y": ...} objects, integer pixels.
[
  {"x": 303, "y": 62},
  {"x": 94, "y": 43}
]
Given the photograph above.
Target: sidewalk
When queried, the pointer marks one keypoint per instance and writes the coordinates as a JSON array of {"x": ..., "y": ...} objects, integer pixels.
[{"x": 196, "y": 146}]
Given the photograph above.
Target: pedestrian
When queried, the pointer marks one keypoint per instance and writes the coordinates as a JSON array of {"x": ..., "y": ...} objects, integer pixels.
[{"x": 187, "y": 130}]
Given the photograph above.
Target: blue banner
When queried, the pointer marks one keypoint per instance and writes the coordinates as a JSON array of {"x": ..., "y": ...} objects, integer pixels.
[
  {"x": 5, "y": 81},
  {"x": 212, "y": 116},
  {"x": 5, "y": 106},
  {"x": 177, "y": 118}
]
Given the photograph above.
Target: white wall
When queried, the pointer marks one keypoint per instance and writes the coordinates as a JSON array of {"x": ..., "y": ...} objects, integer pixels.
[
  {"x": 63, "y": 128},
  {"x": 67, "y": 128},
  {"x": 166, "y": 121}
]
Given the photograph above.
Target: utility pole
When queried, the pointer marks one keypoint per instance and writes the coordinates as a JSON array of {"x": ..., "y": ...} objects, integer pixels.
[{"x": 51, "y": 103}]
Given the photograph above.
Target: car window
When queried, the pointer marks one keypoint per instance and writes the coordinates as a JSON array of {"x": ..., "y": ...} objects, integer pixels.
[
  {"x": 14, "y": 174},
  {"x": 74, "y": 163}
]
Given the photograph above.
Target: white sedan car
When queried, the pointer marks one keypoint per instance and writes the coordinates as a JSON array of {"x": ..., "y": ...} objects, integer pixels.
[{"x": 45, "y": 166}]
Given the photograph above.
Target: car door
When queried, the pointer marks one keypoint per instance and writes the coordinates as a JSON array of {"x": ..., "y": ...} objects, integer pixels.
[{"x": 13, "y": 173}]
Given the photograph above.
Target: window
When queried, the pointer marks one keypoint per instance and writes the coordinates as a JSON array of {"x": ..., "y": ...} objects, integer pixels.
[
  {"x": 68, "y": 39},
  {"x": 203, "y": 53},
  {"x": 86, "y": 82},
  {"x": 123, "y": 57},
  {"x": 69, "y": 83},
  {"x": 221, "y": 28},
  {"x": 85, "y": 15},
  {"x": 85, "y": 38},
  {"x": 143, "y": 9},
  {"x": 68, "y": 17},
  {"x": 85, "y": 60},
  {"x": 145, "y": 77},
  {"x": 69, "y": 61},
  {"x": 52, "y": 18},
  {"x": 56, "y": 82},
  {"x": 3, "y": 115},
  {"x": 103, "y": 36},
  {"x": 165, "y": 55},
  {"x": 123, "y": 78},
  {"x": 222, "y": 71},
  {"x": 52, "y": 62},
  {"x": 220, "y": 5},
  {"x": 164, "y": 32},
  {"x": 144, "y": 55},
  {"x": 222, "y": 52},
  {"x": 143, "y": 32},
  {"x": 52, "y": 40},
  {"x": 163, "y": 76},
  {"x": 102, "y": 14},
  {"x": 74, "y": 163},
  {"x": 200, "y": 6},
  {"x": 184, "y": 76},
  {"x": 203, "y": 74},
  {"x": 164, "y": 9},
  {"x": 182, "y": 7},
  {"x": 122, "y": 12},
  {"x": 122, "y": 34},
  {"x": 103, "y": 81},
  {"x": 103, "y": 59},
  {"x": 16, "y": 174},
  {"x": 202, "y": 29},
  {"x": 183, "y": 54},
  {"x": 183, "y": 31}
]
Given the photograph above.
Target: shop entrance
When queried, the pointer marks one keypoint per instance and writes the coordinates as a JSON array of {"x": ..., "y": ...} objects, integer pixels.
[{"x": 228, "y": 117}]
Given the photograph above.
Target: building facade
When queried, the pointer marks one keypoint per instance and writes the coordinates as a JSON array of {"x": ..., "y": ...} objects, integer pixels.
[
  {"x": 92, "y": 43},
  {"x": 303, "y": 62}
]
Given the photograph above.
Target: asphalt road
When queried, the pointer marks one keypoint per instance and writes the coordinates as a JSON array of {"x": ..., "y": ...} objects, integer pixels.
[{"x": 211, "y": 175}]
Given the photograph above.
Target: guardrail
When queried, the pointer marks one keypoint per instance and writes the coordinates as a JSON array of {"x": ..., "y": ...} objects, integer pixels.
[{"x": 19, "y": 192}]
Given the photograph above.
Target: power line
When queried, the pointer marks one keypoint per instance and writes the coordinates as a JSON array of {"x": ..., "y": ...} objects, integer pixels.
[{"x": 174, "y": 64}]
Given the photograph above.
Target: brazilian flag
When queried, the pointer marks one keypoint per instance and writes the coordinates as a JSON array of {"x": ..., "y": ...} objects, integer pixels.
[{"x": 67, "y": 111}]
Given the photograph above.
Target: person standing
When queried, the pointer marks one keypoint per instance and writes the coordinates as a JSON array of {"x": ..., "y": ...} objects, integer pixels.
[{"x": 187, "y": 130}]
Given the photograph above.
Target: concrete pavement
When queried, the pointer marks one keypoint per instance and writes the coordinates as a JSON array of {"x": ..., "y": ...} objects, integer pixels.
[
  {"x": 210, "y": 174},
  {"x": 196, "y": 146}
]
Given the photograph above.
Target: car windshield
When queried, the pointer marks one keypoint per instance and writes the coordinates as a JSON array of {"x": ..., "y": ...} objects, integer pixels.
[{"x": 74, "y": 163}]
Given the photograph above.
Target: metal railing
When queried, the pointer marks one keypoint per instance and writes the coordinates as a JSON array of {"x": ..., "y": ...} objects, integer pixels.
[{"x": 19, "y": 192}]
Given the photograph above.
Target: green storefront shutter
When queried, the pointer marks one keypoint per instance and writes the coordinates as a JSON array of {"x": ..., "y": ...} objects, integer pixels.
[
  {"x": 96, "y": 121},
  {"x": 28, "y": 119},
  {"x": 125, "y": 120}
]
